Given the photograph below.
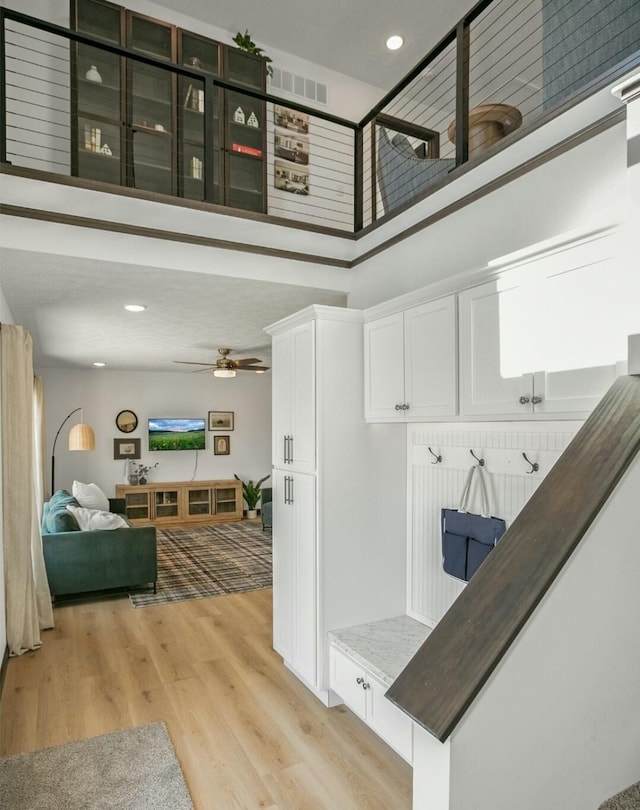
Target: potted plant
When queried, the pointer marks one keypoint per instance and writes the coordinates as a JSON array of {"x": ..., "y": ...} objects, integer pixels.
[
  {"x": 245, "y": 43},
  {"x": 143, "y": 470},
  {"x": 251, "y": 492}
]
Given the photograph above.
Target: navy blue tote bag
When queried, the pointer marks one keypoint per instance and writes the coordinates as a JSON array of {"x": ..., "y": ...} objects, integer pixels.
[{"x": 467, "y": 538}]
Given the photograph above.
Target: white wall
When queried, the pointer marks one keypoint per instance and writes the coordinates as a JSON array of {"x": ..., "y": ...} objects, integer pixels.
[
  {"x": 5, "y": 317},
  {"x": 558, "y": 723},
  {"x": 581, "y": 190},
  {"x": 103, "y": 394}
]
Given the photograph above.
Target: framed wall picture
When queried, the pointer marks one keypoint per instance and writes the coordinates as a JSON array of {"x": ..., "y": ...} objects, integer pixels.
[
  {"x": 126, "y": 448},
  {"x": 220, "y": 420},
  {"x": 221, "y": 445}
]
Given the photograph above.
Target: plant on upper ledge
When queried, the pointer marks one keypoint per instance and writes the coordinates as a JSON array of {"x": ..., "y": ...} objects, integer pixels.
[{"x": 245, "y": 43}]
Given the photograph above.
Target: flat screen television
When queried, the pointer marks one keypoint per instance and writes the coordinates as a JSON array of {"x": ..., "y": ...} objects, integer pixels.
[{"x": 177, "y": 434}]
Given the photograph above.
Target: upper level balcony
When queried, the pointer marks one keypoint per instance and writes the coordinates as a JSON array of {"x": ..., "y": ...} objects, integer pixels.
[{"x": 195, "y": 124}]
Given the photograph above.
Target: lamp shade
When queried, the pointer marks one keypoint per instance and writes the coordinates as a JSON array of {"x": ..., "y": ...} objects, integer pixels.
[{"x": 81, "y": 437}]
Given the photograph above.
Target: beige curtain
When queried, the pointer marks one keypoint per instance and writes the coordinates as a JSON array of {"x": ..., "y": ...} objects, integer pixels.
[
  {"x": 43, "y": 594},
  {"x": 19, "y": 496}
]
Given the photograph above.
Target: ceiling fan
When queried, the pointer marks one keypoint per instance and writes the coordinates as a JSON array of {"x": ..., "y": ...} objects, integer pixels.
[{"x": 226, "y": 367}]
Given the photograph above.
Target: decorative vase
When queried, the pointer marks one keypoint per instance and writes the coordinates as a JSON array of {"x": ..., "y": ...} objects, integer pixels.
[
  {"x": 142, "y": 479},
  {"x": 133, "y": 480},
  {"x": 92, "y": 75},
  {"x": 251, "y": 514}
]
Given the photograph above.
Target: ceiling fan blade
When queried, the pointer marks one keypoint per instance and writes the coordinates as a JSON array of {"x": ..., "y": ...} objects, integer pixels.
[
  {"x": 252, "y": 368},
  {"x": 191, "y": 363},
  {"x": 245, "y": 361}
]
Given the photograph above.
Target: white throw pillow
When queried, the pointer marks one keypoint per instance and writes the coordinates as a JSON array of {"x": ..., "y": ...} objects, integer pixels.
[
  {"x": 90, "y": 519},
  {"x": 90, "y": 496}
]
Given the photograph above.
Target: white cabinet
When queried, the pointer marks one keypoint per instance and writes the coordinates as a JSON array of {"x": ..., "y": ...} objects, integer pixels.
[
  {"x": 294, "y": 571},
  {"x": 323, "y": 523},
  {"x": 364, "y": 694},
  {"x": 293, "y": 357},
  {"x": 547, "y": 338},
  {"x": 411, "y": 363}
]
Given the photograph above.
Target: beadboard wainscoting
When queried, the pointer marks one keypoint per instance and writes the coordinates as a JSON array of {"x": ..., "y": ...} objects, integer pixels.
[{"x": 434, "y": 485}]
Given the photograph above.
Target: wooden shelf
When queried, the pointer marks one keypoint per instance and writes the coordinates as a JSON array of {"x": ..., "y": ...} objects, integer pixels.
[{"x": 182, "y": 502}]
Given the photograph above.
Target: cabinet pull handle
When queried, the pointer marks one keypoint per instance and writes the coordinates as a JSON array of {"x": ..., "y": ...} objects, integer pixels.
[
  {"x": 536, "y": 400},
  {"x": 359, "y": 681},
  {"x": 366, "y": 685},
  {"x": 405, "y": 406},
  {"x": 290, "y": 449},
  {"x": 284, "y": 449},
  {"x": 524, "y": 400},
  {"x": 290, "y": 489},
  {"x": 398, "y": 407}
]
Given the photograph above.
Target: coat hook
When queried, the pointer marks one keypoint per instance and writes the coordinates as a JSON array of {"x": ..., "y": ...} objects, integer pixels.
[
  {"x": 534, "y": 464},
  {"x": 438, "y": 459},
  {"x": 479, "y": 460}
]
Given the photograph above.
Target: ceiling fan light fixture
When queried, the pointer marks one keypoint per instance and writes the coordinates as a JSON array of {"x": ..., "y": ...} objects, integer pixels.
[{"x": 224, "y": 372}]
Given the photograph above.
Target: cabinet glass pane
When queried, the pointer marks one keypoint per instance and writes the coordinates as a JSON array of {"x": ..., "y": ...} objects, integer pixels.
[
  {"x": 150, "y": 38},
  {"x": 98, "y": 150},
  {"x": 98, "y": 20},
  {"x": 191, "y": 97},
  {"x": 245, "y": 182},
  {"x": 199, "y": 502},
  {"x": 151, "y": 98},
  {"x": 200, "y": 53},
  {"x": 245, "y": 69},
  {"x": 151, "y": 168},
  {"x": 192, "y": 171},
  {"x": 98, "y": 83},
  {"x": 225, "y": 500},
  {"x": 166, "y": 503},
  {"x": 245, "y": 117}
]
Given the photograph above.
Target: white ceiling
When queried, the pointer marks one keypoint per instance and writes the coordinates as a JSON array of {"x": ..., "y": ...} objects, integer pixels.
[
  {"x": 74, "y": 308},
  {"x": 75, "y": 312},
  {"x": 348, "y": 36}
]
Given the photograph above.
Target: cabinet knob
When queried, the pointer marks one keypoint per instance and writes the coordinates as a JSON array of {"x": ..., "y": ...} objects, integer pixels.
[
  {"x": 366, "y": 685},
  {"x": 398, "y": 407},
  {"x": 536, "y": 400},
  {"x": 359, "y": 681},
  {"x": 405, "y": 406},
  {"x": 524, "y": 400}
]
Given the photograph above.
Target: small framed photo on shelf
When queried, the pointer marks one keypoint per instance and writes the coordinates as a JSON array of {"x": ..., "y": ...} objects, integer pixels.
[
  {"x": 220, "y": 420},
  {"x": 126, "y": 448},
  {"x": 221, "y": 445}
]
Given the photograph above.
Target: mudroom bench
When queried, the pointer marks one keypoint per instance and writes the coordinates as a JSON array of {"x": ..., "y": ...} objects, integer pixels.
[{"x": 364, "y": 662}]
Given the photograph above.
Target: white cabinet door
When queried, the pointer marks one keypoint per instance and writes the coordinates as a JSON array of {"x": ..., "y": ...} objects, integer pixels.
[
  {"x": 302, "y": 449},
  {"x": 301, "y": 493},
  {"x": 388, "y": 721},
  {"x": 295, "y": 617},
  {"x": 430, "y": 359},
  {"x": 384, "y": 367},
  {"x": 365, "y": 696},
  {"x": 490, "y": 338},
  {"x": 346, "y": 679},
  {"x": 281, "y": 383},
  {"x": 283, "y": 567}
]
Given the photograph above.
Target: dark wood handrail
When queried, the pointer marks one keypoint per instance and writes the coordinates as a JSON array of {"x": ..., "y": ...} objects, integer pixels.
[{"x": 440, "y": 682}]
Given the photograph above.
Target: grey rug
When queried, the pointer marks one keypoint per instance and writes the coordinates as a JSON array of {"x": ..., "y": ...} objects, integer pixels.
[
  {"x": 134, "y": 769},
  {"x": 195, "y": 562},
  {"x": 628, "y": 799}
]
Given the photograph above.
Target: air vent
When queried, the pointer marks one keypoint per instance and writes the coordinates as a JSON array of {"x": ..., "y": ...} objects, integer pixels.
[{"x": 298, "y": 86}]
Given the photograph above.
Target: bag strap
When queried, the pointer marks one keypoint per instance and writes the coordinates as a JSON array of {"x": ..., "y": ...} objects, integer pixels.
[
  {"x": 466, "y": 491},
  {"x": 465, "y": 495}
]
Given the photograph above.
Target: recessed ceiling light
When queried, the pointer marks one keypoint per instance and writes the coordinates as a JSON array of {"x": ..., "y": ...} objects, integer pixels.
[
  {"x": 134, "y": 307},
  {"x": 98, "y": 364},
  {"x": 395, "y": 42}
]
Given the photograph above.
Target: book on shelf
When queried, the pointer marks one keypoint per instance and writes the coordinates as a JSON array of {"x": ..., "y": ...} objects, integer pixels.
[{"x": 246, "y": 150}]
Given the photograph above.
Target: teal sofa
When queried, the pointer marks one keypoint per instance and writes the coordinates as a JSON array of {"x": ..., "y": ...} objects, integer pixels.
[{"x": 85, "y": 561}]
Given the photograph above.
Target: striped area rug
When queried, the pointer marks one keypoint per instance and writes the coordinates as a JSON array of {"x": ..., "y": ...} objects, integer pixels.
[{"x": 199, "y": 561}]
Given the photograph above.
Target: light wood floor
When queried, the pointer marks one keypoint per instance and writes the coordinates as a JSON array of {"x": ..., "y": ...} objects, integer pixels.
[{"x": 247, "y": 733}]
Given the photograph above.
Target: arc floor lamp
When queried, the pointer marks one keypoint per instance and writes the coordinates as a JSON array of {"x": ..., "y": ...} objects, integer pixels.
[{"x": 81, "y": 437}]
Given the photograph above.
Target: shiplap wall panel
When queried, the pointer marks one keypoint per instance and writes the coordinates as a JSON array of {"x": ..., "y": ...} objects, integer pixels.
[{"x": 435, "y": 486}]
